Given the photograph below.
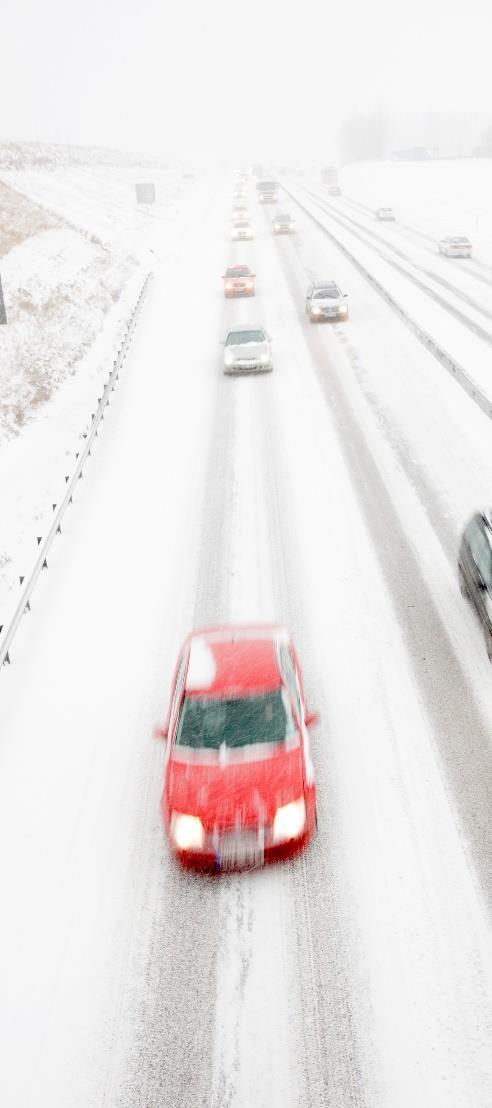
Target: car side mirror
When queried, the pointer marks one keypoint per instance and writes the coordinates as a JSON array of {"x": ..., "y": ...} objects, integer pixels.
[
  {"x": 345, "y": 295},
  {"x": 160, "y": 733},
  {"x": 481, "y": 585},
  {"x": 312, "y": 719}
]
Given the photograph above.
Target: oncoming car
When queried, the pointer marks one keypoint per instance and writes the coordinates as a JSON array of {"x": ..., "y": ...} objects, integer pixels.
[
  {"x": 240, "y": 213},
  {"x": 239, "y": 281},
  {"x": 239, "y": 786},
  {"x": 324, "y": 300},
  {"x": 385, "y": 215},
  {"x": 247, "y": 349},
  {"x": 283, "y": 224},
  {"x": 241, "y": 230},
  {"x": 455, "y": 246},
  {"x": 475, "y": 570}
]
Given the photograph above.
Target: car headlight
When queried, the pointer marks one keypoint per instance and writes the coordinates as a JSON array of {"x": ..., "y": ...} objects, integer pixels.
[
  {"x": 187, "y": 831},
  {"x": 229, "y": 359},
  {"x": 292, "y": 226},
  {"x": 316, "y": 311},
  {"x": 290, "y": 821},
  {"x": 264, "y": 359}
]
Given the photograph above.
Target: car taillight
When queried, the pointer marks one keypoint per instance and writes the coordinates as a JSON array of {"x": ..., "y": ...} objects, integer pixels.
[
  {"x": 249, "y": 284},
  {"x": 229, "y": 285}
]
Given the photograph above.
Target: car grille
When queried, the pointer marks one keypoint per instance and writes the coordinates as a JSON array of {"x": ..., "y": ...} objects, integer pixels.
[{"x": 239, "y": 848}]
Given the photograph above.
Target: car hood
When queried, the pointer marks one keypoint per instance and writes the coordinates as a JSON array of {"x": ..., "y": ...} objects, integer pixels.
[
  {"x": 248, "y": 792},
  {"x": 248, "y": 350}
]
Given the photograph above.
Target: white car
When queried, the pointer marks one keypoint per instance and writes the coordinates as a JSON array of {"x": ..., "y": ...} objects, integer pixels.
[
  {"x": 284, "y": 224},
  {"x": 241, "y": 230},
  {"x": 247, "y": 349},
  {"x": 455, "y": 246},
  {"x": 385, "y": 214}
]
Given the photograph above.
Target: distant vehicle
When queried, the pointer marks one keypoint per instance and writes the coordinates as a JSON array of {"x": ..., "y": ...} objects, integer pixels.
[
  {"x": 239, "y": 788},
  {"x": 247, "y": 349},
  {"x": 329, "y": 175},
  {"x": 283, "y": 224},
  {"x": 455, "y": 246},
  {"x": 385, "y": 214},
  {"x": 333, "y": 190},
  {"x": 267, "y": 190},
  {"x": 240, "y": 212},
  {"x": 475, "y": 569},
  {"x": 241, "y": 230},
  {"x": 239, "y": 281},
  {"x": 324, "y": 300}
]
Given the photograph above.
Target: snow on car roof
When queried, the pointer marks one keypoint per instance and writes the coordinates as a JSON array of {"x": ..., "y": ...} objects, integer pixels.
[{"x": 234, "y": 660}]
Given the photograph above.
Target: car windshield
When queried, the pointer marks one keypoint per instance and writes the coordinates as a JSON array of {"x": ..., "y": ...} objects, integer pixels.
[
  {"x": 238, "y": 271},
  {"x": 240, "y": 338},
  {"x": 326, "y": 293},
  {"x": 241, "y": 721},
  {"x": 460, "y": 238},
  {"x": 242, "y": 222}
]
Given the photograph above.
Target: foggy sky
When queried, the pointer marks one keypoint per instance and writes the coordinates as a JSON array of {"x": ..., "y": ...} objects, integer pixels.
[{"x": 224, "y": 79}]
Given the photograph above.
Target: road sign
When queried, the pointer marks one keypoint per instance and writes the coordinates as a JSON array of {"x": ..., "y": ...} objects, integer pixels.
[{"x": 145, "y": 193}]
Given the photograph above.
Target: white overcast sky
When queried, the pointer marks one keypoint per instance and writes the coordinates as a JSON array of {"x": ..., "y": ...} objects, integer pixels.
[{"x": 198, "y": 78}]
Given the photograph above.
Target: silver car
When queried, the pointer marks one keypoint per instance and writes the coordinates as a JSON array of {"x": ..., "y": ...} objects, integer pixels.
[
  {"x": 385, "y": 215},
  {"x": 247, "y": 349},
  {"x": 455, "y": 246},
  {"x": 325, "y": 301}
]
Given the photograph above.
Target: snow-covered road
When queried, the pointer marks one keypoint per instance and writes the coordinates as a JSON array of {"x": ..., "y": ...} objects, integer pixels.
[{"x": 328, "y": 495}]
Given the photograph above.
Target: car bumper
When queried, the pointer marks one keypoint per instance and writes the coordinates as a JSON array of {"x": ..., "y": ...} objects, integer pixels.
[
  {"x": 337, "y": 317},
  {"x": 251, "y": 367},
  {"x": 215, "y": 862},
  {"x": 239, "y": 292}
]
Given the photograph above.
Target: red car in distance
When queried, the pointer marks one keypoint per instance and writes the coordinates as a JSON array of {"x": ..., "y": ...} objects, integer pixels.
[
  {"x": 239, "y": 786},
  {"x": 239, "y": 281}
]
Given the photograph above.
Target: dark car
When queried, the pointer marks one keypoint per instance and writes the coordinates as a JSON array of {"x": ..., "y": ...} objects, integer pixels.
[
  {"x": 324, "y": 300},
  {"x": 475, "y": 569}
]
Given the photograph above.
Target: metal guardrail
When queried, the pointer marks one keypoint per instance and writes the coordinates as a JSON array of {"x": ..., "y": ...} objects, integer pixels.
[
  {"x": 455, "y": 368},
  {"x": 9, "y": 629}
]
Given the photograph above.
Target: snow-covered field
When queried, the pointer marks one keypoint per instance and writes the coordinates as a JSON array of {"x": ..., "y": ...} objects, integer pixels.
[
  {"x": 68, "y": 293},
  {"x": 331, "y": 496}
]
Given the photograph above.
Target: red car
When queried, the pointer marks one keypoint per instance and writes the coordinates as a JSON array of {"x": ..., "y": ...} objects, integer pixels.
[
  {"x": 239, "y": 281},
  {"x": 239, "y": 783}
]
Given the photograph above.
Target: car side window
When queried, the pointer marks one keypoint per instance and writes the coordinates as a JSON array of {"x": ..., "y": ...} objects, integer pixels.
[{"x": 480, "y": 551}]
